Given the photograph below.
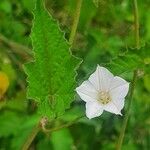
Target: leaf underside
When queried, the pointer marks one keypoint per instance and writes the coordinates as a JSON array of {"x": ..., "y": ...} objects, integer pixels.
[{"x": 51, "y": 76}]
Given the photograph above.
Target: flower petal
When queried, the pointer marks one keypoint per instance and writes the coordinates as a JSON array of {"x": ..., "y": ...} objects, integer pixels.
[
  {"x": 114, "y": 107},
  {"x": 101, "y": 78},
  {"x": 119, "y": 88},
  {"x": 93, "y": 109},
  {"x": 87, "y": 92},
  {"x": 119, "y": 103}
]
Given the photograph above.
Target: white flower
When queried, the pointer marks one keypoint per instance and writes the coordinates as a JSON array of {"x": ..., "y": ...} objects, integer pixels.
[{"x": 103, "y": 91}]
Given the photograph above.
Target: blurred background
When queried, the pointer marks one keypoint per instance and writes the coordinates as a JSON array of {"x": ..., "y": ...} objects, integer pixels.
[{"x": 105, "y": 29}]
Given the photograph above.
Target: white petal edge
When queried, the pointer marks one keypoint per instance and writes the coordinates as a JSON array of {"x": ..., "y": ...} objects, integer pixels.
[
  {"x": 119, "y": 88},
  {"x": 93, "y": 109},
  {"x": 87, "y": 92},
  {"x": 101, "y": 78}
]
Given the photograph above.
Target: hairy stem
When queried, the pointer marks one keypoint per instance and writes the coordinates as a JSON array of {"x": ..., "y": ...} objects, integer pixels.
[
  {"x": 31, "y": 137},
  {"x": 62, "y": 126},
  {"x": 75, "y": 22},
  {"x": 136, "y": 24},
  {"x": 41, "y": 126}
]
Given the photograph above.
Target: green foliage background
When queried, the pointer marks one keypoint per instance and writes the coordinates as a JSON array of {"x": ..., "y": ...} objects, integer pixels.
[{"x": 105, "y": 31}]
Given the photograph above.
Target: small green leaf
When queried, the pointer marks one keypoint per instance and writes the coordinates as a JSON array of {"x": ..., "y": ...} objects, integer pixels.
[
  {"x": 131, "y": 60},
  {"x": 51, "y": 76}
]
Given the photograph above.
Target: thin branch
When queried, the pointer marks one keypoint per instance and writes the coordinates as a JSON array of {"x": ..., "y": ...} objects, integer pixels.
[
  {"x": 41, "y": 126},
  {"x": 62, "y": 126},
  {"x": 75, "y": 22},
  {"x": 31, "y": 137},
  {"x": 136, "y": 24},
  {"x": 19, "y": 49}
]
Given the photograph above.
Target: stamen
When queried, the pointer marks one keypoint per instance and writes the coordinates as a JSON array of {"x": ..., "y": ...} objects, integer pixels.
[{"x": 104, "y": 98}]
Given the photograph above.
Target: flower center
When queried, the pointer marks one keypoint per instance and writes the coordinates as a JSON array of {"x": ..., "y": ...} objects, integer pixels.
[{"x": 104, "y": 97}]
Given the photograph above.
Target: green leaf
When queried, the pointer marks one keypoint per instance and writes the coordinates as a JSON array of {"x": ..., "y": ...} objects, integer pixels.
[
  {"x": 9, "y": 123},
  {"x": 5, "y": 6},
  {"x": 51, "y": 76},
  {"x": 104, "y": 47},
  {"x": 131, "y": 60},
  {"x": 62, "y": 140},
  {"x": 73, "y": 113}
]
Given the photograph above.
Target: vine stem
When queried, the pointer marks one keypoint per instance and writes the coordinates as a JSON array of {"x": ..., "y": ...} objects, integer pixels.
[
  {"x": 41, "y": 126},
  {"x": 125, "y": 121},
  {"x": 31, "y": 137},
  {"x": 136, "y": 24},
  {"x": 135, "y": 75},
  {"x": 75, "y": 21}
]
